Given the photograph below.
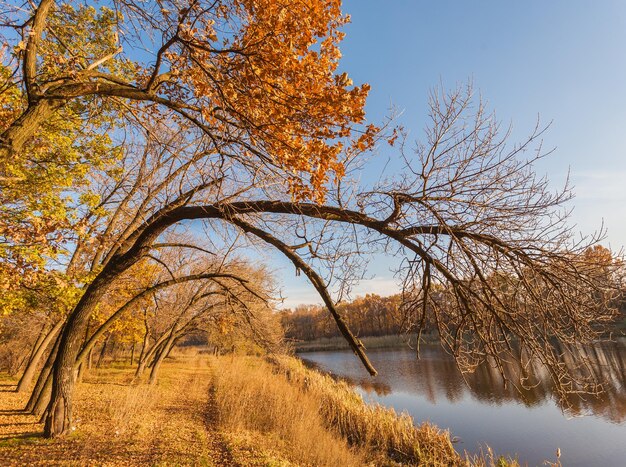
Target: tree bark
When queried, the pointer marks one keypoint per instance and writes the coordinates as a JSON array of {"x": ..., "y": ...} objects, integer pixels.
[
  {"x": 44, "y": 375},
  {"x": 15, "y": 137},
  {"x": 38, "y": 352},
  {"x": 103, "y": 351},
  {"x": 141, "y": 362},
  {"x": 80, "y": 372},
  {"x": 40, "y": 404},
  {"x": 147, "y": 358},
  {"x": 59, "y": 412},
  {"x": 81, "y": 363},
  {"x": 132, "y": 354},
  {"x": 40, "y": 338},
  {"x": 161, "y": 356}
]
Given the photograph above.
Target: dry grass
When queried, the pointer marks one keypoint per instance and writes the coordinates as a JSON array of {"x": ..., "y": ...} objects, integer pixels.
[
  {"x": 223, "y": 411},
  {"x": 373, "y": 427},
  {"x": 487, "y": 458},
  {"x": 250, "y": 397}
]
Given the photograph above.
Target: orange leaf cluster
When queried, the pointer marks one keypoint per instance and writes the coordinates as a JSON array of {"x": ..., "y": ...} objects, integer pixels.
[{"x": 269, "y": 78}]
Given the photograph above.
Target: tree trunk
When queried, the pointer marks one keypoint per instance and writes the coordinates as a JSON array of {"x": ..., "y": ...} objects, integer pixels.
[
  {"x": 59, "y": 411},
  {"x": 15, "y": 136},
  {"x": 155, "y": 366},
  {"x": 161, "y": 356},
  {"x": 169, "y": 351},
  {"x": 40, "y": 338},
  {"x": 144, "y": 345},
  {"x": 80, "y": 362},
  {"x": 33, "y": 353},
  {"x": 141, "y": 367},
  {"x": 154, "y": 356},
  {"x": 103, "y": 351},
  {"x": 45, "y": 373},
  {"x": 80, "y": 372},
  {"x": 147, "y": 361},
  {"x": 31, "y": 368},
  {"x": 40, "y": 404},
  {"x": 132, "y": 354},
  {"x": 112, "y": 350}
]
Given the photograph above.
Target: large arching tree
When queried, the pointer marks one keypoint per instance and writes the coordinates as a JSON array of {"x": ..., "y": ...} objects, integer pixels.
[{"x": 253, "y": 85}]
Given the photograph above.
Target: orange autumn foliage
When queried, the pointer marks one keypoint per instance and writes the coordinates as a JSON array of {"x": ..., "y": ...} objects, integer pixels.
[{"x": 269, "y": 81}]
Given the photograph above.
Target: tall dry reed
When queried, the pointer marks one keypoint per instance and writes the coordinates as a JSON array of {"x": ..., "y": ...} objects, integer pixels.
[
  {"x": 250, "y": 396},
  {"x": 371, "y": 426}
]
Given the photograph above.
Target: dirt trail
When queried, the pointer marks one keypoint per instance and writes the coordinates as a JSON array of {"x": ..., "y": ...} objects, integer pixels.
[{"x": 117, "y": 423}]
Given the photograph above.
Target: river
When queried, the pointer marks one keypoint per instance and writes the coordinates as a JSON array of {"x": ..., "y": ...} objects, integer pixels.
[{"x": 481, "y": 411}]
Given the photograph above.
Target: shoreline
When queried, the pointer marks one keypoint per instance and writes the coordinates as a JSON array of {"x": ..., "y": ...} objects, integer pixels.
[{"x": 392, "y": 341}]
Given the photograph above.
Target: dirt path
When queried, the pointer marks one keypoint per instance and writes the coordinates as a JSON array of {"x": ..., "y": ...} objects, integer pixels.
[{"x": 117, "y": 423}]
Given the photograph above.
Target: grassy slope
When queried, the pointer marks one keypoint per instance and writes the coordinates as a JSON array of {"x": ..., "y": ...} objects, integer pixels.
[{"x": 219, "y": 412}]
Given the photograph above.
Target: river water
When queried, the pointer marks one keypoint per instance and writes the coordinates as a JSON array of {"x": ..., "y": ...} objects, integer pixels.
[{"x": 480, "y": 411}]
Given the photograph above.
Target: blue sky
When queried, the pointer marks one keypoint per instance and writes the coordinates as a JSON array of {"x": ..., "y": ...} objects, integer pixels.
[{"x": 561, "y": 60}]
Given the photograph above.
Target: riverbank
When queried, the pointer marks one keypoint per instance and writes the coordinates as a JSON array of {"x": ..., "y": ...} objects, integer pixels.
[
  {"x": 222, "y": 411},
  {"x": 393, "y": 341}
]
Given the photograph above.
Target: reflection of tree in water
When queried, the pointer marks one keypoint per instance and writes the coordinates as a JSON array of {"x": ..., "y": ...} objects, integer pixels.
[
  {"x": 370, "y": 385},
  {"x": 435, "y": 375},
  {"x": 530, "y": 385},
  {"x": 607, "y": 361}
]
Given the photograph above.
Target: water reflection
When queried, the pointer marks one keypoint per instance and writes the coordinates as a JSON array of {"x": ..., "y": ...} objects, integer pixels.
[
  {"x": 530, "y": 423},
  {"x": 436, "y": 376},
  {"x": 369, "y": 385}
]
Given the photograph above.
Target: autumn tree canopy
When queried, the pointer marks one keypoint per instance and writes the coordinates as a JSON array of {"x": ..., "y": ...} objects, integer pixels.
[{"x": 256, "y": 78}]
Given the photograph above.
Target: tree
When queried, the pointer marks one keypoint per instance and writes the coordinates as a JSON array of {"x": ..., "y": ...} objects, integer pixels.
[
  {"x": 459, "y": 242},
  {"x": 247, "y": 74},
  {"x": 266, "y": 130}
]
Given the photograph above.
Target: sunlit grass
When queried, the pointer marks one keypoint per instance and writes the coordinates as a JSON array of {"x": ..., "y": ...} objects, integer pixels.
[
  {"x": 371, "y": 426},
  {"x": 251, "y": 397},
  {"x": 247, "y": 410}
]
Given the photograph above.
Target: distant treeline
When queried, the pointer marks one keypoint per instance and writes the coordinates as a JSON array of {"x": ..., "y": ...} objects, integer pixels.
[{"x": 371, "y": 315}]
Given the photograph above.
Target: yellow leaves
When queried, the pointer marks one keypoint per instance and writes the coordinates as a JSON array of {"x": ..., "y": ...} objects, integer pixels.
[
  {"x": 45, "y": 291},
  {"x": 36, "y": 210},
  {"x": 90, "y": 199}
]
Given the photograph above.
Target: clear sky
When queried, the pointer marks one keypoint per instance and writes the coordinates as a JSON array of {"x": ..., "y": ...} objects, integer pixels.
[{"x": 561, "y": 60}]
